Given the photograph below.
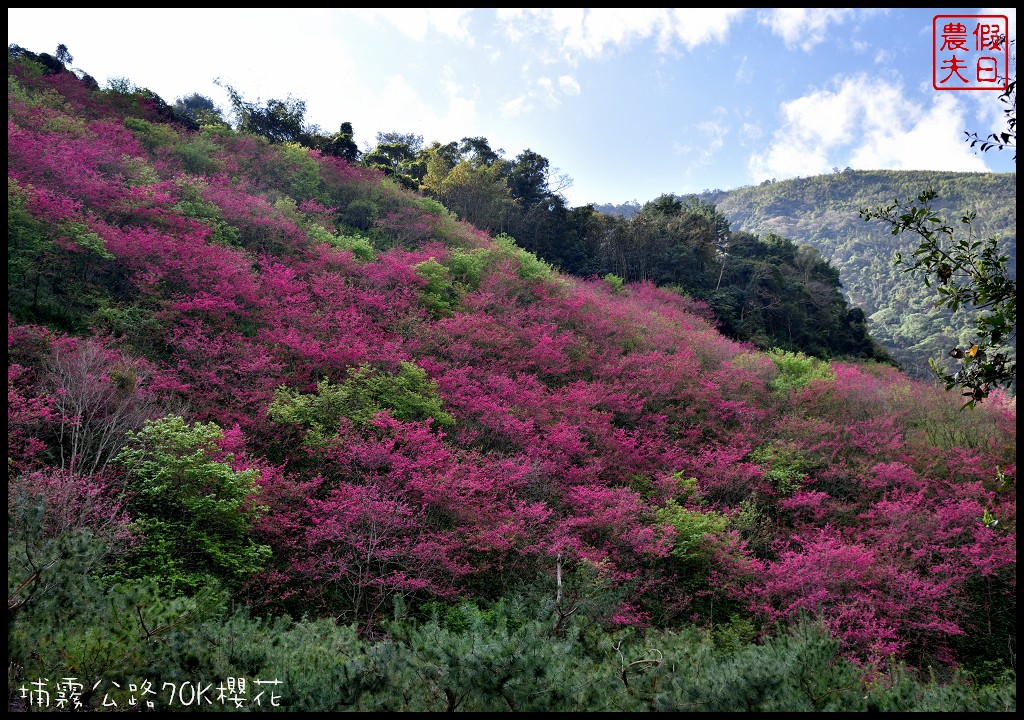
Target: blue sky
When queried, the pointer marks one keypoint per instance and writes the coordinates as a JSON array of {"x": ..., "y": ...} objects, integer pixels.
[{"x": 628, "y": 103}]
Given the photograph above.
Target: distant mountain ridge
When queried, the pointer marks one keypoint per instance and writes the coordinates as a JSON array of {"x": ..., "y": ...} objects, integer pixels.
[{"x": 823, "y": 211}]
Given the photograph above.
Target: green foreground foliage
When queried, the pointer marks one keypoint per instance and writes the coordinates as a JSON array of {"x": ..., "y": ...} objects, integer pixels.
[
  {"x": 126, "y": 643},
  {"x": 192, "y": 508}
]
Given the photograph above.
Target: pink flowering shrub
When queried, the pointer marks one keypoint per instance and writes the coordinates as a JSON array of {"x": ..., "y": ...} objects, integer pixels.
[{"x": 586, "y": 425}]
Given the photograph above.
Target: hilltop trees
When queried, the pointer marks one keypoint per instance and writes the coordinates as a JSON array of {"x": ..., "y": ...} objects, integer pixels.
[
  {"x": 342, "y": 144},
  {"x": 199, "y": 108},
  {"x": 670, "y": 242},
  {"x": 399, "y": 156},
  {"x": 52, "y": 64},
  {"x": 277, "y": 120}
]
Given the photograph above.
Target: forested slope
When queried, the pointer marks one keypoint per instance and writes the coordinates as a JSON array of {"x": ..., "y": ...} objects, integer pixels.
[
  {"x": 275, "y": 417},
  {"x": 823, "y": 211}
]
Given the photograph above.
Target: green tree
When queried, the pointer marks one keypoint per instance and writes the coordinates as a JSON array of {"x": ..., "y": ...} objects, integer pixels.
[
  {"x": 528, "y": 178},
  {"x": 400, "y": 156},
  {"x": 193, "y": 509},
  {"x": 342, "y": 144},
  {"x": 409, "y": 395},
  {"x": 477, "y": 151},
  {"x": 63, "y": 55},
  {"x": 277, "y": 121},
  {"x": 475, "y": 193},
  {"x": 199, "y": 108}
]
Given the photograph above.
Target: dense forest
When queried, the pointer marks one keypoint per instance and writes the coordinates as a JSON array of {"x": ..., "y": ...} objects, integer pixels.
[
  {"x": 823, "y": 212},
  {"x": 296, "y": 426}
]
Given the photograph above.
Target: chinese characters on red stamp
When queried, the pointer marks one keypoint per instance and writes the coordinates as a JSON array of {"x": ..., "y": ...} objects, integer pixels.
[{"x": 970, "y": 52}]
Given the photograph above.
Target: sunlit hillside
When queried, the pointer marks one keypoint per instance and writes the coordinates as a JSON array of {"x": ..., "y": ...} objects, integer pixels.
[{"x": 274, "y": 417}]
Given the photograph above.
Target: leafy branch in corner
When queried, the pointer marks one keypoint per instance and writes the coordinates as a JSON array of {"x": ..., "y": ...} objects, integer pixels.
[
  {"x": 966, "y": 272},
  {"x": 1007, "y": 138}
]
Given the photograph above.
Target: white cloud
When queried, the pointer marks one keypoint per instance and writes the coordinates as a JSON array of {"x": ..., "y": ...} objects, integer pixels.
[
  {"x": 546, "y": 91},
  {"x": 868, "y": 124},
  {"x": 743, "y": 73},
  {"x": 512, "y": 20},
  {"x": 933, "y": 142},
  {"x": 697, "y": 26},
  {"x": 614, "y": 27},
  {"x": 710, "y": 138},
  {"x": 826, "y": 118},
  {"x": 883, "y": 56},
  {"x": 398, "y": 106},
  {"x": 751, "y": 131},
  {"x": 416, "y": 22},
  {"x": 568, "y": 85},
  {"x": 592, "y": 33},
  {"x": 714, "y": 134},
  {"x": 517, "y": 107},
  {"x": 803, "y": 27},
  {"x": 541, "y": 90}
]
